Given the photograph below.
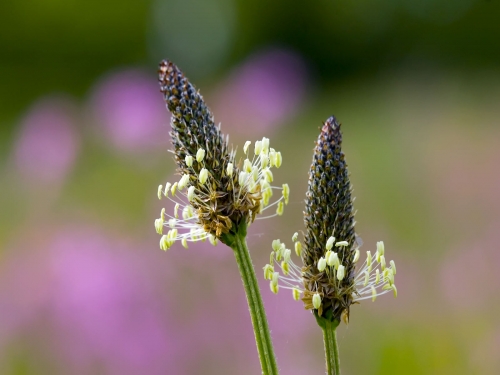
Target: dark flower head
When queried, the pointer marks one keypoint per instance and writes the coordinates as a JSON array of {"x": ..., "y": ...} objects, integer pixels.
[
  {"x": 221, "y": 194},
  {"x": 328, "y": 280}
]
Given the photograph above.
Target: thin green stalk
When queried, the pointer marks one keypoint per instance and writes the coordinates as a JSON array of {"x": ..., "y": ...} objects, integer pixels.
[
  {"x": 331, "y": 348},
  {"x": 255, "y": 304}
]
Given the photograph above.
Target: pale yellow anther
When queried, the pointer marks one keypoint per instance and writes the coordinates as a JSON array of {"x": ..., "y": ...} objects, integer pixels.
[
  {"x": 272, "y": 158},
  {"x": 265, "y": 145},
  {"x": 285, "y": 268},
  {"x": 393, "y": 266},
  {"x": 280, "y": 209},
  {"x": 187, "y": 212},
  {"x": 382, "y": 262},
  {"x": 245, "y": 147},
  {"x": 367, "y": 278},
  {"x": 258, "y": 147},
  {"x": 274, "y": 287},
  {"x": 200, "y": 155},
  {"x": 189, "y": 160},
  {"x": 268, "y": 175},
  {"x": 395, "y": 290},
  {"x": 176, "y": 210},
  {"x": 369, "y": 260},
  {"x": 255, "y": 173},
  {"x": 287, "y": 255},
  {"x": 356, "y": 256},
  {"x": 264, "y": 159},
  {"x": 191, "y": 194},
  {"x": 275, "y": 277},
  {"x": 298, "y": 248},
  {"x": 212, "y": 239},
  {"x": 268, "y": 272},
  {"x": 278, "y": 160},
  {"x": 342, "y": 243},
  {"x": 203, "y": 176},
  {"x": 229, "y": 169},
  {"x": 247, "y": 165},
  {"x": 183, "y": 182},
  {"x": 380, "y": 247},
  {"x": 316, "y": 300},
  {"x": 165, "y": 242},
  {"x": 295, "y": 236},
  {"x": 286, "y": 193},
  {"x": 173, "y": 189},
  {"x": 160, "y": 188},
  {"x": 340, "y": 272},
  {"x": 333, "y": 259},
  {"x": 329, "y": 243},
  {"x": 296, "y": 294},
  {"x": 276, "y": 245},
  {"x": 377, "y": 276},
  {"x": 167, "y": 189},
  {"x": 184, "y": 242},
  {"x": 172, "y": 234},
  {"x": 162, "y": 214},
  {"x": 159, "y": 226},
  {"x": 242, "y": 178},
  {"x": 321, "y": 264},
  {"x": 374, "y": 293}
]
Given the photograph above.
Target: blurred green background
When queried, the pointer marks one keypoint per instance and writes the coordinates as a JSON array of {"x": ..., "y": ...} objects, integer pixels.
[{"x": 84, "y": 288}]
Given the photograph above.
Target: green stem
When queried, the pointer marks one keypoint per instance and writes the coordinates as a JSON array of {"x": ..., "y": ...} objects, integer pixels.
[
  {"x": 331, "y": 347},
  {"x": 255, "y": 304}
]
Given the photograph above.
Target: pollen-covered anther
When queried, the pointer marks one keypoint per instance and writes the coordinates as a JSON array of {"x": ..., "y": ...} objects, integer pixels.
[
  {"x": 183, "y": 182},
  {"x": 316, "y": 300},
  {"x": 203, "y": 176},
  {"x": 329, "y": 243},
  {"x": 160, "y": 189},
  {"x": 229, "y": 169},
  {"x": 167, "y": 189},
  {"x": 159, "y": 226},
  {"x": 296, "y": 294},
  {"x": 245, "y": 147},
  {"x": 295, "y": 236},
  {"x": 189, "y": 160},
  {"x": 341, "y": 243},
  {"x": 286, "y": 192},
  {"x": 200, "y": 155},
  {"x": 340, "y": 272},
  {"x": 173, "y": 189},
  {"x": 280, "y": 209},
  {"x": 321, "y": 264},
  {"x": 298, "y": 248},
  {"x": 191, "y": 194}
]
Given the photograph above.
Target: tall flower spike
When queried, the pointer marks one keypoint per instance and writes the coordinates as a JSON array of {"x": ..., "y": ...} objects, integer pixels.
[
  {"x": 218, "y": 197},
  {"x": 329, "y": 282}
]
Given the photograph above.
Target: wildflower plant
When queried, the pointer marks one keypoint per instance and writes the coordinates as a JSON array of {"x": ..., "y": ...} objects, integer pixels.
[
  {"x": 330, "y": 281},
  {"x": 217, "y": 196}
]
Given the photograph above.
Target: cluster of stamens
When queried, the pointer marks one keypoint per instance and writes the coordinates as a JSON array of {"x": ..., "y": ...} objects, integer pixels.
[
  {"x": 195, "y": 193},
  {"x": 373, "y": 279}
]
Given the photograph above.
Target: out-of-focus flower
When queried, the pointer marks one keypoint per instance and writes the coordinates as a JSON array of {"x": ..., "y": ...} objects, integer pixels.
[
  {"x": 127, "y": 105},
  {"x": 217, "y": 195},
  {"x": 48, "y": 144},
  {"x": 328, "y": 280},
  {"x": 264, "y": 92}
]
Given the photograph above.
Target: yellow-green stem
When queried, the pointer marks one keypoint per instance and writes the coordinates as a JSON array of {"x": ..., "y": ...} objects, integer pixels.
[
  {"x": 330, "y": 341},
  {"x": 255, "y": 304}
]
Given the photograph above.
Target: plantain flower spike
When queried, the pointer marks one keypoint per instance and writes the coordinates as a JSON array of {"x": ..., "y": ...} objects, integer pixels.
[
  {"x": 216, "y": 195},
  {"x": 330, "y": 281}
]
